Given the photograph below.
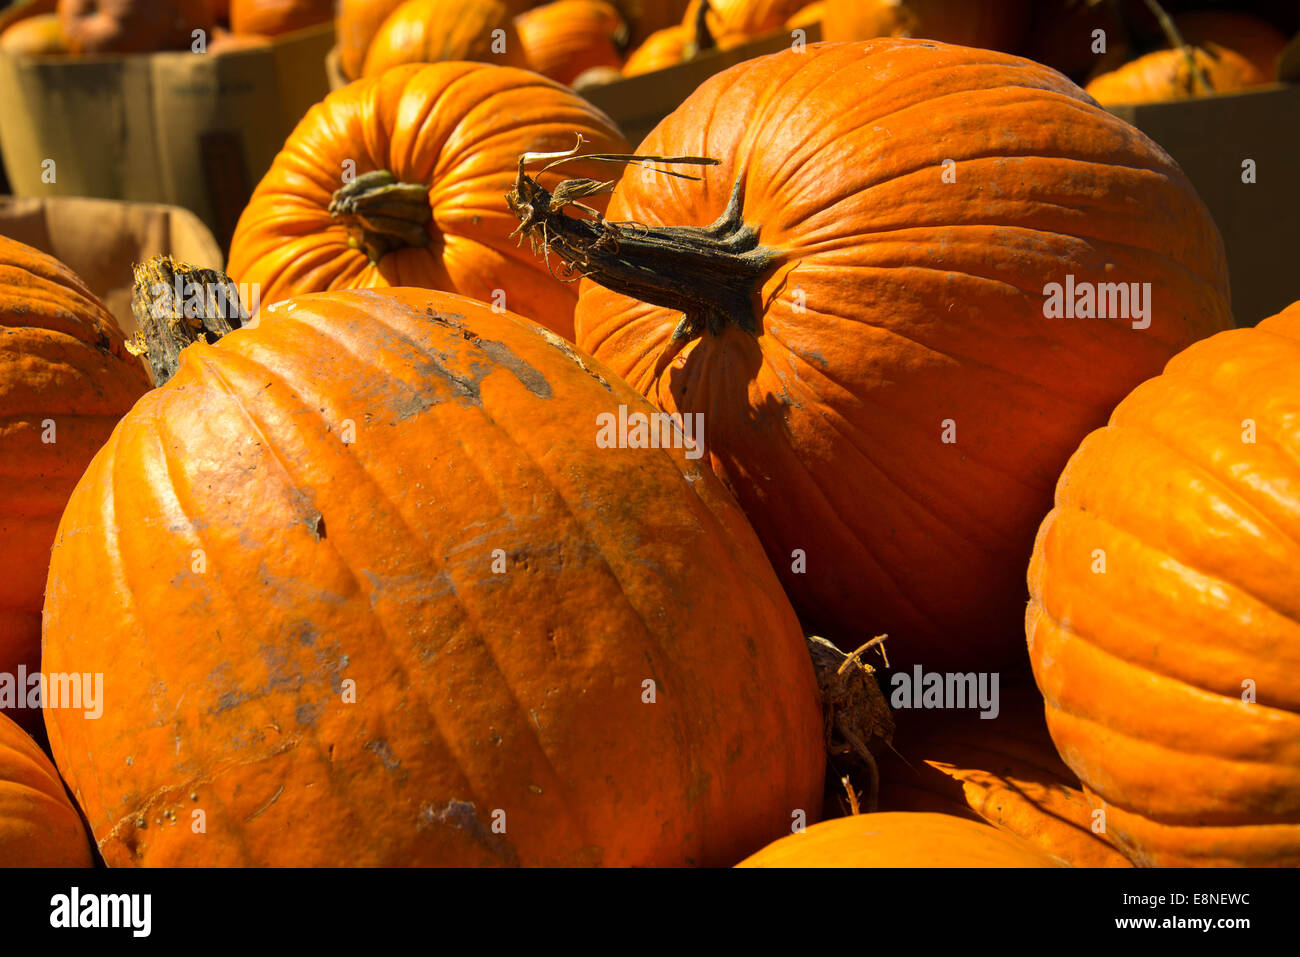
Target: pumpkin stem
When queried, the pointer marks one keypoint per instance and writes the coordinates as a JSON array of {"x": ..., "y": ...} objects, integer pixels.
[
  {"x": 381, "y": 214},
  {"x": 1195, "y": 72},
  {"x": 711, "y": 274},
  {"x": 176, "y": 304},
  {"x": 702, "y": 38},
  {"x": 855, "y": 712}
]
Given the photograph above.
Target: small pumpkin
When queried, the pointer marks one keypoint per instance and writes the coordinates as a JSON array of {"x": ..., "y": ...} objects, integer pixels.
[
  {"x": 40, "y": 35},
  {"x": 429, "y": 31},
  {"x": 645, "y": 17},
  {"x": 898, "y": 839},
  {"x": 862, "y": 314},
  {"x": 131, "y": 26},
  {"x": 568, "y": 37},
  {"x": 662, "y": 49},
  {"x": 271, "y": 18},
  {"x": 445, "y": 174},
  {"x": 1164, "y": 620},
  {"x": 743, "y": 18},
  {"x": 39, "y": 827},
  {"x": 1002, "y": 770},
  {"x": 65, "y": 380},
  {"x": 1169, "y": 75},
  {"x": 989, "y": 24},
  {"x": 399, "y": 493}
]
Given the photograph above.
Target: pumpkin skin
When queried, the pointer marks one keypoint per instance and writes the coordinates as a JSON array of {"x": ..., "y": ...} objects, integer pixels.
[
  {"x": 40, "y": 35},
  {"x": 1003, "y": 771},
  {"x": 476, "y": 120},
  {"x": 921, "y": 302},
  {"x": 662, "y": 49},
  {"x": 1164, "y": 75},
  {"x": 1142, "y": 666},
  {"x": 744, "y": 18},
  {"x": 566, "y": 38},
  {"x": 39, "y": 827},
  {"x": 271, "y": 18},
  {"x": 131, "y": 26},
  {"x": 897, "y": 839},
  {"x": 62, "y": 360},
  {"x": 372, "y": 561},
  {"x": 989, "y": 24},
  {"x": 429, "y": 31}
]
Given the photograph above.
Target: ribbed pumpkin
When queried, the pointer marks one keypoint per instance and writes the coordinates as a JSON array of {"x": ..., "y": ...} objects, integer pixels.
[
  {"x": 992, "y": 24},
  {"x": 430, "y": 31},
  {"x": 355, "y": 25},
  {"x": 39, "y": 827},
  {"x": 34, "y": 36},
  {"x": 65, "y": 380},
  {"x": 269, "y": 18},
  {"x": 561, "y": 653},
  {"x": 1167, "y": 75},
  {"x": 566, "y": 38},
  {"x": 131, "y": 26},
  {"x": 1002, "y": 770},
  {"x": 859, "y": 301},
  {"x": 1166, "y": 592},
  {"x": 453, "y": 131},
  {"x": 900, "y": 840}
]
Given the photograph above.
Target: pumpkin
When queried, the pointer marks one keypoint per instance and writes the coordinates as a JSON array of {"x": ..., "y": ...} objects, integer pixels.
[
  {"x": 427, "y": 31},
  {"x": 645, "y": 17},
  {"x": 1251, "y": 38},
  {"x": 131, "y": 26},
  {"x": 864, "y": 326},
  {"x": 456, "y": 161},
  {"x": 566, "y": 38},
  {"x": 991, "y": 24},
  {"x": 1164, "y": 621},
  {"x": 270, "y": 18},
  {"x": 743, "y": 18},
  {"x": 1004, "y": 771},
  {"x": 898, "y": 839},
  {"x": 65, "y": 380},
  {"x": 561, "y": 653},
  {"x": 1168, "y": 75},
  {"x": 39, "y": 827},
  {"x": 662, "y": 49},
  {"x": 35, "y": 36}
]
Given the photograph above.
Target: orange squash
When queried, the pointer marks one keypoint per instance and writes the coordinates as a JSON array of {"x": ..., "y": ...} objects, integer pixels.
[
  {"x": 270, "y": 18},
  {"x": 744, "y": 18},
  {"x": 645, "y": 17},
  {"x": 899, "y": 840},
  {"x": 568, "y": 37},
  {"x": 437, "y": 623},
  {"x": 65, "y": 380},
  {"x": 861, "y": 312},
  {"x": 131, "y": 26},
  {"x": 40, "y": 35},
  {"x": 429, "y": 31},
  {"x": 39, "y": 827},
  {"x": 1164, "y": 621},
  {"x": 458, "y": 161},
  {"x": 1167, "y": 75}
]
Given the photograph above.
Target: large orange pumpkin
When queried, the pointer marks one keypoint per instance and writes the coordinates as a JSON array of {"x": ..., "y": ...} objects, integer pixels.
[
  {"x": 429, "y": 31},
  {"x": 131, "y": 26},
  {"x": 269, "y": 18},
  {"x": 39, "y": 827},
  {"x": 65, "y": 380},
  {"x": 1002, "y": 770},
  {"x": 560, "y": 653},
  {"x": 897, "y": 839},
  {"x": 1164, "y": 626},
  {"x": 992, "y": 24},
  {"x": 865, "y": 325},
  {"x": 566, "y": 38},
  {"x": 452, "y": 132}
]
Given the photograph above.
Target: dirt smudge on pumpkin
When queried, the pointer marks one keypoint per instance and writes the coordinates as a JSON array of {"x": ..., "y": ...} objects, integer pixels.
[
  {"x": 463, "y": 816},
  {"x": 385, "y": 754}
]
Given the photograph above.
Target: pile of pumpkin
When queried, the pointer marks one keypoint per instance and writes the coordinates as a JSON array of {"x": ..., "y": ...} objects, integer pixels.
[
  {"x": 365, "y": 587},
  {"x": 95, "y": 27}
]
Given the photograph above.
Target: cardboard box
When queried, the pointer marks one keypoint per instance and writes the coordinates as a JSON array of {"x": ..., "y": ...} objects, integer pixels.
[
  {"x": 186, "y": 129},
  {"x": 101, "y": 239}
]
